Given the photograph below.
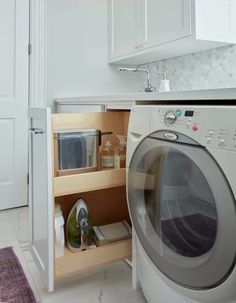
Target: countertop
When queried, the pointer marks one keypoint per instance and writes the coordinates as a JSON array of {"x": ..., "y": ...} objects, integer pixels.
[{"x": 207, "y": 94}]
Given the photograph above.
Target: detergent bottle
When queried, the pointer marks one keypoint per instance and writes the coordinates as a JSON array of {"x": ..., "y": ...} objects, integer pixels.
[{"x": 59, "y": 232}]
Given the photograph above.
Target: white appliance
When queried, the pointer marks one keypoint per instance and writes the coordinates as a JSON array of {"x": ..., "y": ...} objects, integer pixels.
[{"x": 181, "y": 172}]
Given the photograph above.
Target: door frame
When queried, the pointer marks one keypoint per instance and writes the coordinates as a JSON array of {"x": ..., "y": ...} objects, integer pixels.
[{"x": 37, "y": 60}]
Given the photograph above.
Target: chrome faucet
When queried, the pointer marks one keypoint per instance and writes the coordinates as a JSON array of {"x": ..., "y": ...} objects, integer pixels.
[{"x": 149, "y": 87}]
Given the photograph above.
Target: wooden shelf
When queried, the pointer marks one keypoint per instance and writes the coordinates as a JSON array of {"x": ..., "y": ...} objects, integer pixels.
[
  {"x": 73, "y": 263},
  {"x": 117, "y": 122},
  {"x": 66, "y": 185}
]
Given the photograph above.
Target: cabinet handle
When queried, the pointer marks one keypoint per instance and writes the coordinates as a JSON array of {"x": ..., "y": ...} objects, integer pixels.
[{"x": 36, "y": 131}]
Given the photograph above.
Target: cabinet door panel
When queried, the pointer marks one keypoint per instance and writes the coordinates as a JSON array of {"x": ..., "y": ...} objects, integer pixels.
[
  {"x": 168, "y": 20},
  {"x": 41, "y": 206},
  {"x": 213, "y": 26},
  {"x": 122, "y": 26},
  {"x": 232, "y": 11},
  {"x": 141, "y": 23}
]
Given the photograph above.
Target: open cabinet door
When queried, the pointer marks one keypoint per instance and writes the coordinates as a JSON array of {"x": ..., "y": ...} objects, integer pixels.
[{"x": 41, "y": 200}]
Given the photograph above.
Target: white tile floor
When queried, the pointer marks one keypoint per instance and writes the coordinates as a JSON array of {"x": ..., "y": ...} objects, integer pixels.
[{"x": 105, "y": 285}]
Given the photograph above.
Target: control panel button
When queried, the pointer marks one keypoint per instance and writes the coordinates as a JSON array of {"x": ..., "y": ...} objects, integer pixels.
[
  {"x": 208, "y": 140},
  {"x": 195, "y": 128},
  {"x": 188, "y": 125},
  {"x": 170, "y": 118},
  {"x": 178, "y": 113},
  {"x": 222, "y": 142}
]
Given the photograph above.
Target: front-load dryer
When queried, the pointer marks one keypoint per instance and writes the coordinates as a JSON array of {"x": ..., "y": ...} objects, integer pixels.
[{"x": 181, "y": 189}]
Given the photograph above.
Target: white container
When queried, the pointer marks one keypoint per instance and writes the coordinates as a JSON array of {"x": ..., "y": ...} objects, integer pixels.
[
  {"x": 164, "y": 84},
  {"x": 59, "y": 232}
]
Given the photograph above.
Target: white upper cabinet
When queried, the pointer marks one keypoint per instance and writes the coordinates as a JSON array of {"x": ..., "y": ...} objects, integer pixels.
[
  {"x": 167, "y": 20},
  {"x": 216, "y": 18},
  {"x": 143, "y": 31},
  {"x": 122, "y": 27}
]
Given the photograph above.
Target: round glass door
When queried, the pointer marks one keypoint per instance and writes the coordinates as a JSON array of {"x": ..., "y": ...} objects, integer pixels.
[{"x": 183, "y": 212}]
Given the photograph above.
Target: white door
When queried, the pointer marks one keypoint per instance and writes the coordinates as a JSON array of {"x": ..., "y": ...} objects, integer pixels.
[
  {"x": 167, "y": 20},
  {"x": 122, "y": 27},
  {"x": 41, "y": 203},
  {"x": 14, "y": 39}
]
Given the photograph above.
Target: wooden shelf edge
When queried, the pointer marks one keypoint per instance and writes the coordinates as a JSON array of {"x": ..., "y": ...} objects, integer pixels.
[
  {"x": 71, "y": 264},
  {"x": 100, "y": 120},
  {"x": 92, "y": 181}
]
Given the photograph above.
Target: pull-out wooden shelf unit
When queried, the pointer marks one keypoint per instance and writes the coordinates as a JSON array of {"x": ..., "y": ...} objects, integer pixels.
[{"x": 103, "y": 191}]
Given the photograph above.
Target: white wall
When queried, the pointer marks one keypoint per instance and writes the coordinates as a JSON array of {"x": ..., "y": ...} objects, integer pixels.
[
  {"x": 77, "y": 57},
  {"x": 77, "y": 51}
]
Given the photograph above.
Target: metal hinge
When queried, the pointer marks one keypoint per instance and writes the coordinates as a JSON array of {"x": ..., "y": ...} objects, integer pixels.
[
  {"x": 29, "y": 49},
  {"x": 28, "y": 179}
]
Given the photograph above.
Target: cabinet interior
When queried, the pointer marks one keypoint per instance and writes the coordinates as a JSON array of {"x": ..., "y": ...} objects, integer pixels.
[
  {"x": 103, "y": 191},
  {"x": 115, "y": 121},
  {"x": 105, "y": 206}
]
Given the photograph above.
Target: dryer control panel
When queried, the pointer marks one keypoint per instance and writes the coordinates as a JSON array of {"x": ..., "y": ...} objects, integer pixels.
[{"x": 213, "y": 126}]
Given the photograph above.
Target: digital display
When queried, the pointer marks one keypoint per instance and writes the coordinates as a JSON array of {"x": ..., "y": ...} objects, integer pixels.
[{"x": 189, "y": 113}]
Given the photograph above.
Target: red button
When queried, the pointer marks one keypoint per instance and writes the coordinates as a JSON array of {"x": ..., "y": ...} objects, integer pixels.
[{"x": 195, "y": 128}]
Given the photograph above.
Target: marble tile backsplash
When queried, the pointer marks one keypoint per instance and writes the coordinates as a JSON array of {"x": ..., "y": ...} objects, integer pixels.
[{"x": 204, "y": 70}]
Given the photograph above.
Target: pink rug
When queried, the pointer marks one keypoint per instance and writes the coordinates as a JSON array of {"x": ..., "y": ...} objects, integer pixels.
[{"x": 14, "y": 287}]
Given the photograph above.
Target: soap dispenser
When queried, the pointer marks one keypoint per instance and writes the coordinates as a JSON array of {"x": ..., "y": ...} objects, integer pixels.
[{"x": 164, "y": 84}]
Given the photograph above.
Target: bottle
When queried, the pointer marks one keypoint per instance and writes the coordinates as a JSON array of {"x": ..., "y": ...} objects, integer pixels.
[
  {"x": 107, "y": 156},
  {"x": 120, "y": 152},
  {"x": 59, "y": 231},
  {"x": 164, "y": 84}
]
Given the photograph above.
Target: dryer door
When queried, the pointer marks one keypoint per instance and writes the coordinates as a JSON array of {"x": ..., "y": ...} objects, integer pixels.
[{"x": 183, "y": 211}]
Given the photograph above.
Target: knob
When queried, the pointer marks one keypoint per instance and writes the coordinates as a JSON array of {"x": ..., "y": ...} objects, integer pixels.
[
  {"x": 170, "y": 117},
  {"x": 195, "y": 128}
]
